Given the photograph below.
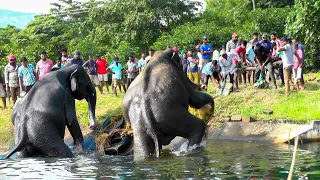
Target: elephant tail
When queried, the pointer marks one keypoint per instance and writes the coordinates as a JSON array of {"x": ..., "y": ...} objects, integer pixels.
[
  {"x": 21, "y": 143},
  {"x": 149, "y": 121}
]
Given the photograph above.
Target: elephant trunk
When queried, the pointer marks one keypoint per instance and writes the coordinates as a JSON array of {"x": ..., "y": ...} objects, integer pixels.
[{"x": 92, "y": 99}]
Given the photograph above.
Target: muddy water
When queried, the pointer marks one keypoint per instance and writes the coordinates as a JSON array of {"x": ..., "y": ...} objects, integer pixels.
[{"x": 217, "y": 160}]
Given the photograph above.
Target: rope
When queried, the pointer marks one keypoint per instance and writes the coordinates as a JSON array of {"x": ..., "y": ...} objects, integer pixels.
[{"x": 293, "y": 157}]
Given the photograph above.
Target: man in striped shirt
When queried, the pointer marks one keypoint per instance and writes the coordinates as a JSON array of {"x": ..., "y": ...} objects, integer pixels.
[{"x": 27, "y": 75}]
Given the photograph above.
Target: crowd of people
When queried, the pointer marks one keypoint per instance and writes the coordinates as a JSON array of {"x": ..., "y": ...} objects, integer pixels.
[
  {"x": 239, "y": 58},
  {"x": 19, "y": 78}
]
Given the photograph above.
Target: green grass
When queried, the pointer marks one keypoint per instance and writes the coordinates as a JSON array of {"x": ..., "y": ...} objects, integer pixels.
[{"x": 299, "y": 107}]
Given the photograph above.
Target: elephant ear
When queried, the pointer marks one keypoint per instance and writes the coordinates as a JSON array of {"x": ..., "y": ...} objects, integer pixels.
[{"x": 74, "y": 81}]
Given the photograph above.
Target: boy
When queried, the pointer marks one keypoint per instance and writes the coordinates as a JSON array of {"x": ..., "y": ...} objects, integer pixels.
[
  {"x": 211, "y": 70},
  {"x": 27, "y": 76},
  {"x": 193, "y": 68},
  {"x": 116, "y": 69},
  {"x": 58, "y": 64}
]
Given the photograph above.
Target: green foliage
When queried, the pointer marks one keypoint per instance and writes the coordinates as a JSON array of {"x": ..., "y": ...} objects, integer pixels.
[
  {"x": 304, "y": 24},
  {"x": 221, "y": 20}
]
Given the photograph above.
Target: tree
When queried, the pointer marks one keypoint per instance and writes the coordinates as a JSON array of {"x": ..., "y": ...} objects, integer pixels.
[{"x": 304, "y": 25}]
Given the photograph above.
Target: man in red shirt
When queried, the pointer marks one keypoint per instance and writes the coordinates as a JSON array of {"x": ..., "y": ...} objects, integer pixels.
[
  {"x": 241, "y": 51},
  {"x": 102, "y": 73}
]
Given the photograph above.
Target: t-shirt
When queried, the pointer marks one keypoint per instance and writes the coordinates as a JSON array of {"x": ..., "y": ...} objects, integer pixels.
[
  {"x": 296, "y": 60},
  {"x": 240, "y": 51},
  {"x": 262, "y": 54},
  {"x": 141, "y": 64},
  {"x": 193, "y": 66},
  {"x": 26, "y": 74},
  {"x": 250, "y": 53},
  {"x": 267, "y": 44},
  {"x": 215, "y": 55},
  {"x": 200, "y": 59},
  {"x": 44, "y": 67},
  {"x": 132, "y": 66},
  {"x": 209, "y": 70},
  {"x": 102, "y": 66},
  {"x": 231, "y": 46},
  {"x": 77, "y": 61},
  {"x": 92, "y": 69},
  {"x": 206, "y": 47},
  {"x": 288, "y": 56},
  {"x": 117, "y": 70}
]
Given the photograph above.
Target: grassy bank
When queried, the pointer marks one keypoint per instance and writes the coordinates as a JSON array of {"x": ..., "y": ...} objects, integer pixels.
[{"x": 300, "y": 106}]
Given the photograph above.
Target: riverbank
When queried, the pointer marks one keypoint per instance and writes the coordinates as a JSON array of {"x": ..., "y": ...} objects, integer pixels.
[{"x": 299, "y": 107}]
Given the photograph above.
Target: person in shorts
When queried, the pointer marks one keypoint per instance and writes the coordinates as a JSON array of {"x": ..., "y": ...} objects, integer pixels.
[
  {"x": 2, "y": 93},
  {"x": 116, "y": 69},
  {"x": 11, "y": 78},
  {"x": 92, "y": 72},
  {"x": 132, "y": 69},
  {"x": 101, "y": 65}
]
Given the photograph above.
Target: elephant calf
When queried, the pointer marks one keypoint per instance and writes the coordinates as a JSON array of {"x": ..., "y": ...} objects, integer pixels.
[
  {"x": 40, "y": 118},
  {"x": 156, "y": 104}
]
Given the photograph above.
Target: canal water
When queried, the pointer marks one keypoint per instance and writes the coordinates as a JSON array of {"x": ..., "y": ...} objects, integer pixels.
[{"x": 217, "y": 160}]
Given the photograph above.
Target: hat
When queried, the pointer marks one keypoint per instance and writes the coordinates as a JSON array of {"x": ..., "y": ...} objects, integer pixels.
[
  {"x": 222, "y": 52},
  {"x": 198, "y": 46},
  {"x": 264, "y": 36},
  {"x": 234, "y": 35},
  {"x": 175, "y": 49},
  {"x": 11, "y": 57},
  {"x": 205, "y": 38},
  {"x": 77, "y": 53}
]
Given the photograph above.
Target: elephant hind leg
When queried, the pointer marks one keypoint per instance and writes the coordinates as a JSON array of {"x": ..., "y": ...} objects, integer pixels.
[
  {"x": 143, "y": 144},
  {"x": 52, "y": 145},
  {"x": 185, "y": 125}
]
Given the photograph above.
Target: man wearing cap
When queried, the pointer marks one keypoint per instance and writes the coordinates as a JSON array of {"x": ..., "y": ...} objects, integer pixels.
[
  {"x": 263, "y": 59},
  {"x": 11, "y": 77},
  {"x": 77, "y": 59},
  {"x": 265, "y": 42},
  {"x": 44, "y": 66},
  {"x": 27, "y": 76},
  {"x": 233, "y": 43},
  {"x": 206, "y": 51},
  {"x": 102, "y": 65}
]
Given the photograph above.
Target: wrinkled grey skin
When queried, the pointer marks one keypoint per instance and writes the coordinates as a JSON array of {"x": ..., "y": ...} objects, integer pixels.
[
  {"x": 156, "y": 105},
  {"x": 40, "y": 118}
]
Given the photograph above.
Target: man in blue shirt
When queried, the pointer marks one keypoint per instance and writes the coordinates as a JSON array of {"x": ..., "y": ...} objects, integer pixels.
[
  {"x": 77, "y": 59},
  {"x": 265, "y": 42},
  {"x": 193, "y": 73},
  {"x": 116, "y": 69},
  {"x": 206, "y": 50}
]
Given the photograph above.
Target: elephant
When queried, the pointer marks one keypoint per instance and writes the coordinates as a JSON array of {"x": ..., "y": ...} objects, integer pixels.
[
  {"x": 40, "y": 117},
  {"x": 156, "y": 105}
]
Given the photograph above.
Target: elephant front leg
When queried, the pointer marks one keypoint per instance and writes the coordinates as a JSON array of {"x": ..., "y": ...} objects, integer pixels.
[{"x": 77, "y": 136}]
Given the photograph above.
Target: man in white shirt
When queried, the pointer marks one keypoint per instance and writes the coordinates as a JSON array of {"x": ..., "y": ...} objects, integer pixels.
[
  {"x": 151, "y": 52},
  {"x": 200, "y": 65},
  {"x": 287, "y": 60}
]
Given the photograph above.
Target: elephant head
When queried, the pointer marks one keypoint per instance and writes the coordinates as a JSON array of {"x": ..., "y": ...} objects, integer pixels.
[{"x": 82, "y": 88}]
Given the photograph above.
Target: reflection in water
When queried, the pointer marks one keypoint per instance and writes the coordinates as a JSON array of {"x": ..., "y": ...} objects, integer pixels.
[{"x": 218, "y": 160}]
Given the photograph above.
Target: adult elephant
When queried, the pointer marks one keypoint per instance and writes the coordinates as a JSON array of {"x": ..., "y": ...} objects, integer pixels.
[
  {"x": 40, "y": 117},
  {"x": 156, "y": 104}
]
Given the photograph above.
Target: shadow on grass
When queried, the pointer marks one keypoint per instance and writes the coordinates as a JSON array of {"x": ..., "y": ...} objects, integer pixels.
[
  {"x": 312, "y": 86},
  {"x": 108, "y": 114}
]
